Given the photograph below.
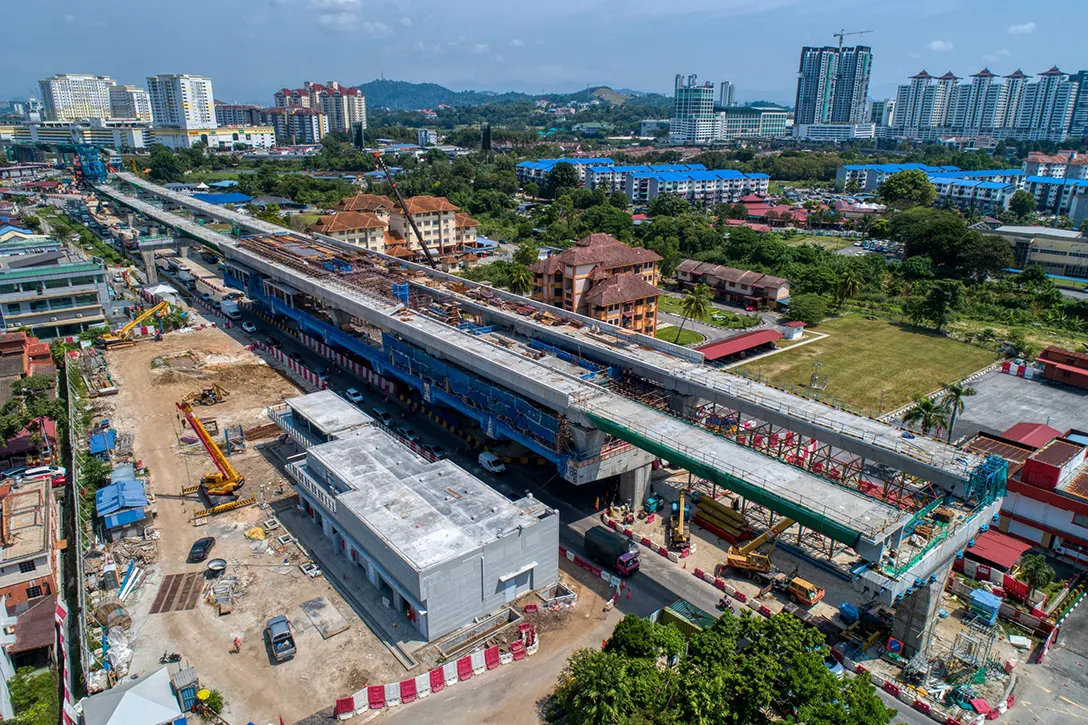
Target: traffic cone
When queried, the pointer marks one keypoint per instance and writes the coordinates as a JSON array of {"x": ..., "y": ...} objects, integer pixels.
[{"x": 628, "y": 592}]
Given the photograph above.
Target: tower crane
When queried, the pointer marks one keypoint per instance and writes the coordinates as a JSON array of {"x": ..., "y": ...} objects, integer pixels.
[{"x": 842, "y": 34}]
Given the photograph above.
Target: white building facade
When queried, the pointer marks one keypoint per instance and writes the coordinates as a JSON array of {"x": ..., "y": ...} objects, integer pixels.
[
  {"x": 182, "y": 101},
  {"x": 128, "y": 101},
  {"x": 76, "y": 96}
]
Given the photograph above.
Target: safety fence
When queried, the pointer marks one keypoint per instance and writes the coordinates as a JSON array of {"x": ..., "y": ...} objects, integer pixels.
[
  {"x": 650, "y": 544},
  {"x": 380, "y": 697},
  {"x": 307, "y": 375},
  {"x": 371, "y": 377},
  {"x": 1021, "y": 370}
]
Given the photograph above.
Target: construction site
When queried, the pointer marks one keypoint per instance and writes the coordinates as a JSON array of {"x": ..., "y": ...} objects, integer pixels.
[{"x": 852, "y": 505}]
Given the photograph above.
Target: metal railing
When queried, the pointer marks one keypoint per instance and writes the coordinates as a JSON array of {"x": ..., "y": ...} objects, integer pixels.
[
  {"x": 315, "y": 489},
  {"x": 81, "y": 519}
]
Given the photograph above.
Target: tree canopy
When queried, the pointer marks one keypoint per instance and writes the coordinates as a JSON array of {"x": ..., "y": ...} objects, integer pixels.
[
  {"x": 908, "y": 188},
  {"x": 745, "y": 670}
]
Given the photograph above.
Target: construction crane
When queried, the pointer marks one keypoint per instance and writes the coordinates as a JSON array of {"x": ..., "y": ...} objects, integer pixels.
[
  {"x": 88, "y": 164},
  {"x": 122, "y": 336},
  {"x": 679, "y": 534},
  {"x": 842, "y": 34},
  {"x": 400, "y": 199},
  {"x": 225, "y": 480},
  {"x": 747, "y": 559}
]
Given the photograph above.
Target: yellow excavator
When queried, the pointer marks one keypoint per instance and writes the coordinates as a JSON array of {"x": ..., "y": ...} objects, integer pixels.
[
  {"x": 208, "y": 395},
  {"x": 748, "y": 559},
  {"x": 123, "y": 337},
  {"x": 221, "y": 485}
]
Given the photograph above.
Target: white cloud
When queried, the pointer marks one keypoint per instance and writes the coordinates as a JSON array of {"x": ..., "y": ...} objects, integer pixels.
[
  {"x": 69, "y": 18},
  {"x": 498, "y": 59},
  {"x": 376, "y": 30},
  {"x": 481, "y": 48},
  {"x": 338, "y": 21},
  {"x": 940, "y": 46},
  {"x": 345, "y": 4},
  {"x": 517, "y": 42},
  {"x": 1022, "y": 29},
  {"x": 406, "y": 22}
]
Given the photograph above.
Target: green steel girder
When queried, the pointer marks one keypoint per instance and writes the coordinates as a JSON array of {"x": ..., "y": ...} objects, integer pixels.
[{"x": 802, "y": 515}]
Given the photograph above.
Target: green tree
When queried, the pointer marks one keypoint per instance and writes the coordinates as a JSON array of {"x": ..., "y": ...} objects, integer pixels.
[
  {"x": 1035, "y": 572},
  {"x": 927, "y": 415},
  {"x": 668, "y": 205},
  {"x": 984, "y": 255},
  {"x": 532, "y": 189},
  {"x": 33, "y": 697},
  {"x": 850, "y": 284},
  {"x": 165, "y": 166},
  {"x": 954, "y": 393},
  {"x": 1022, "y": 204},
  {"x": 618, "y": 200},
  {"x": 527, "y": 254},
  {"x": 520, "y": 280},
  {"x": 562, "y": 178},
  {"x": 943, "y": 302},
  {"x": 810, "y": 309},
  {"x": 695, "y": 303},
  {"x": 909, "y": 188},
  {"x": 917, "y": 268},
  {"x": 934, "y": 233}
]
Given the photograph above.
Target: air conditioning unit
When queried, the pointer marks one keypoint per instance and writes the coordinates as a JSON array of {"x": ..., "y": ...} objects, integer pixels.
[
  {"x": 52, "y": 319},
  {"x": 79, "y": 314}
]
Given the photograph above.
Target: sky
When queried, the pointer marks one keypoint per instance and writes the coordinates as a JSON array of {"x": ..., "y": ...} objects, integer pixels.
[{"x": 253, "y": 47}]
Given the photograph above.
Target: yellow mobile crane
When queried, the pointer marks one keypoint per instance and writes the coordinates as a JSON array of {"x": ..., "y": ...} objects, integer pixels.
[
  {"x": 748, "y": 559},
  {"x": 219, "y": 486},
  {"x": 123, "y": 336},
  {"x": 679, "y": 533}
]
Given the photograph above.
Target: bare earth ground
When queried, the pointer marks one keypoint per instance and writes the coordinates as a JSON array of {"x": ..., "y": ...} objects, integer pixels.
[{"x": 254, "y": 688}]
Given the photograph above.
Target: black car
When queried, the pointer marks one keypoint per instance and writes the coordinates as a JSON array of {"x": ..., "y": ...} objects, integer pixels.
[
  {"x": 297, "y": 357},
  {"x": 272, "y": 342},
  {"x": 201, "y": 549}
]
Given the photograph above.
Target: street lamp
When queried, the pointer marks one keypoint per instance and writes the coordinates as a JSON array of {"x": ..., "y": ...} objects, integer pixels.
[{"x": 882, "y": 388}]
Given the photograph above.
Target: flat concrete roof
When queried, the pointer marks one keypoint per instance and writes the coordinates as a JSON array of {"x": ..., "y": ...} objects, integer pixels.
[
  {"x": 328, "y": 412},
  {"x": 427, "y": 512}
]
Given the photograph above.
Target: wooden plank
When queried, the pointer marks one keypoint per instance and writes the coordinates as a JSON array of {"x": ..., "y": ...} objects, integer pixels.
[
  {"x": 168, "y": 584},
  {"x": 186, "y": 591},
  {"x": 194, "y": 595}
]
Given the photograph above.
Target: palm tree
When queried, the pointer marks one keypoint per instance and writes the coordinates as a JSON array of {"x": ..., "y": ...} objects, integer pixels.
[
  {"x": 521, "y": 280},
  {"x": 695, "y": 303},
  {"x": 1035, "y": 572},
  {"x": 926, "y": 414},
  {"x": 850, "y": 283},
  {"x": 953, "y": 402}
]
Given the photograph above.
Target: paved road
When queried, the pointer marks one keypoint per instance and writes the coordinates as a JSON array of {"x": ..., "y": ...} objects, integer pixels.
[
  {"x": 1073, "y": 294},
  {"x": 1056, "y": 691}
]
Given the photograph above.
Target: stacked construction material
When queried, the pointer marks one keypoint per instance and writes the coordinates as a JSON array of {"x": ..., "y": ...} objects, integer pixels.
[{"x": 722, "y": 521}]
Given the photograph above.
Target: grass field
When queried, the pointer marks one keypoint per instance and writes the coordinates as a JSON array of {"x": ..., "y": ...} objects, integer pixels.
[
  {"x": 862, "y": 356},
  {"x": 831, "y": 244},
  {"x": 727, "y": 320},
  {"x": 672, "y": 333}
]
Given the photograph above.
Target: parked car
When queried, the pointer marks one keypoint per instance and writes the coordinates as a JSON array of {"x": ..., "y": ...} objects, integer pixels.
[
  {"x": 382, "y": 416},
  {"x": 278, "y": 631},
  {"x": 201, "y": 548},
  {"x": 297, "y": 357},
  {"x": 492, "y": 463},
  {"x": 12, "y": 473},
  {"x": 834, "y": 667},
  {"x": 408, "y": 432},
  {"x": 39, "y": 471},
  {"x": 435, "y": 450},
  {"x": 249, "y": 327},
  {"x": 272, "y": 342},
  {"x": 353, "y": 395}
]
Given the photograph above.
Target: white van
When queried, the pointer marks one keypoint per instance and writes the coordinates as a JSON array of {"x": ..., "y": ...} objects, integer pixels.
[{"x": 491, "y": 462}]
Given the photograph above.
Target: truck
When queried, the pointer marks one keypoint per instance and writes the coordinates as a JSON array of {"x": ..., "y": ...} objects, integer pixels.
[
  {"x": 278, "y": 631},
  {"x": 230, "y": 309},
  {"x": 606, "y": 547}
]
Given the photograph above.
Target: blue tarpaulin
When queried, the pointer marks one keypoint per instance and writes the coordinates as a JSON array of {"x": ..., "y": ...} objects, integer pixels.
[
  {"x": 102, "y": 442},
  {"x": 124, "y": 518},
  {"x": 119, "y": 495},
  {"x": 123, "y": 472},
  {"x": 230, "y": 198}
]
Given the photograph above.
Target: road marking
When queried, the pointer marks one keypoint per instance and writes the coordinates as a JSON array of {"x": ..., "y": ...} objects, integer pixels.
[{"x": 1074, "y": 704}]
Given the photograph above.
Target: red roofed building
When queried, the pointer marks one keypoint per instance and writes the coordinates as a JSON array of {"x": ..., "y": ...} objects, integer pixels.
[
  {"x": 1065, "y": 366},
  {"x": 603, "y": 278},
  {"x": 342, "y": 105},
  {"x": 740, "y": 346},
  {"x": 379, "y": 224},
  {"x": 736, "y": 285},
  {"x": 1033, "y": 435},
  {"x": 997, "y": 549}
]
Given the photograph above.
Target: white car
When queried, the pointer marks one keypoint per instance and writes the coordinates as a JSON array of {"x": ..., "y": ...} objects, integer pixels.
[
  {"x": 492, "y": 463},
  {"x": 249, "y": 327},
  {"x": 354, "y": 396},
  {"x": 40, "y": 471}
]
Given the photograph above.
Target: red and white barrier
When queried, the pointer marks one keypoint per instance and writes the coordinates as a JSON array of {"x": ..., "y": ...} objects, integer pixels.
[
  {"x": 1020, "y": 371},
  {"x": 367, "y": 374},
  {"x": 303, "y": 372},
  {"x": 380, "y": 697}
]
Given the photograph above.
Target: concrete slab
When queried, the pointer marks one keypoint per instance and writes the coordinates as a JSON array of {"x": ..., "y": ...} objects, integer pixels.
[
  {"x": 328, "y": 412},
  {"x": 1004, "y": 400},
  {"x": 325, "y": 617}
]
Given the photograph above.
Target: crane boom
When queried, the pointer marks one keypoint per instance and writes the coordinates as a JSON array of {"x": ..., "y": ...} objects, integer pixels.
[
  {"x": 842, "y": 34},
  {"x": 228, "y": 479},
  {"x": 404, "y": 207},
  {"x": 113, "y": 338},
  {"x": 771, "y": 533}
]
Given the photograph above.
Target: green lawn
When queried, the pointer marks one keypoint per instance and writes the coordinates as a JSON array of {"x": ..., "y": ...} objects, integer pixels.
[
  {"x": 831, "y": 244},
  {"x": 728, "y": 320},
  {"x": 302, "y": 222},
  {"x": 860, "y": 356},
  {"x": 677, "y": 336}
]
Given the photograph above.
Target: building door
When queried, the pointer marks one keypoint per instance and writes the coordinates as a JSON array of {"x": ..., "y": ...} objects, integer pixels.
[
  {"x": 510, "y": 589},
  {"x": 523, "y": 582}
]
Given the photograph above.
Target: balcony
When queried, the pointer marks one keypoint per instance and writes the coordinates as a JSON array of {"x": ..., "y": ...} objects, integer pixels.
[{"x": 297, "y": 471}]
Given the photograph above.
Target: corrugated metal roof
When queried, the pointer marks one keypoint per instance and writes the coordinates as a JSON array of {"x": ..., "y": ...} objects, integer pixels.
[
  {"x": 124, "y": 518},
  {"x": 997, "y": 548},
  {"x": 119, "y": 495},
  {"x": 738, "y": 343}
]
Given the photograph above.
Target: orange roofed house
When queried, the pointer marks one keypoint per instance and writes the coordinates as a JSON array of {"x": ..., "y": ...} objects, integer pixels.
[
  {"x": 603, "y": 278},
  {"x": 378, "y": 223}
]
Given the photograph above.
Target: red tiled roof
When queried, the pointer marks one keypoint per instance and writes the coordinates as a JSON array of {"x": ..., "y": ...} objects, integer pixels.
[
  {"x": 998, "y": 549},
  {"x": 795, "y": 323},
  {"x": 464, "y": 220},
  {"x": 1035, "y": 435},
  {"x": 428, "y": 204},
  {"x": 738, "y": 343},
  {"x": 619, "y": 289},
  {"x": 347, "y": 221},
  {"x": 365, "y": 202},
  {"x": 602, "y": 249}
]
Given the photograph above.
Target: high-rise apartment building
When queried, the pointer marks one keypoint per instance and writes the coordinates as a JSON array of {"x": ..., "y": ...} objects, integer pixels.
[
  {"x": 1014, "y": 107},
  {"x": 342, "y": 105},
  {"x": 237, "y": 114},
  {"x": 693, "y": 118},
  {"x": 725, "y": 94},
  {"x": 1078, "y": 127},
  {"x": 882, "y": 113},
  {"x": 75, "y": 96},
  {"x": 182, "y": 101},
  {"x": 128, "y": 101},
  {"x": 832, "y": 85}
]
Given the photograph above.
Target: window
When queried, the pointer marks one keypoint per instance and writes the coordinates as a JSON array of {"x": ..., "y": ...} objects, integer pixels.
[
  {"x": 1080, "y": 520},
  {"x": 33, "y": 592},
  {"x": 25, "y": 567}
]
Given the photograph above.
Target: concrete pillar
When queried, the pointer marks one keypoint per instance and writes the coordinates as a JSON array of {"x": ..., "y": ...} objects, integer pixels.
[
  {"x": 915, "y": 614},
  {"x": 150, "y": 270},
  {"x": 152, "y": 229},
  {"x": 398, "y": 601},
  {"x": 371, "y": 573},
  {"x": 684, "y": 405},
  {"x": 183, "y": 251},
  {"x": 129, "y": 219},
  {"x": 634, "y": 484},
  {"x": 339, "y": 317}
]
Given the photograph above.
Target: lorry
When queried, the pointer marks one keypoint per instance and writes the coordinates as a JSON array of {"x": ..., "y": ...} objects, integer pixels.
[
  {"x": 230, "y": 309},
  {"x": 606, "y": 547},
  {"x": 278, "y": 631}
]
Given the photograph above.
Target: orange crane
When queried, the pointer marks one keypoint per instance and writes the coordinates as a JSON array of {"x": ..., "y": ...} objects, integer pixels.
[{"x": 225, "y": 480}]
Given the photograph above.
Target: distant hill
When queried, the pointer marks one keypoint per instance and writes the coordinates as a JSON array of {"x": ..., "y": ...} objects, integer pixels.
[{"x": 405, "y": 96}]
